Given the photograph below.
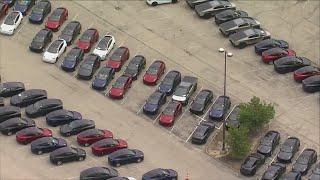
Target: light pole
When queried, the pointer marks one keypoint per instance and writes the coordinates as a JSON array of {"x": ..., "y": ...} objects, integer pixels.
[{"x": 226, "y": 54}]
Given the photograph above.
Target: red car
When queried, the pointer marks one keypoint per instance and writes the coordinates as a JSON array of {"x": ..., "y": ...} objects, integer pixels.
[
  {"x": 154, "y": 73},
  {"x": 274, "y": 54},
  {"x": 118, "y": 58},
  {"x": 30, "y": 134},
  {"x": 90, "y": 136},
  {"x": 3, "y": 9},
  {"x": 120, "y": 87},
  {"x": 107, "y": 146},
  {"x": 305, "y": 72},
  {"x": 87, "y": 39},
  {"x": 57, "y": 18},
  {"x": 170, "y": 113}
]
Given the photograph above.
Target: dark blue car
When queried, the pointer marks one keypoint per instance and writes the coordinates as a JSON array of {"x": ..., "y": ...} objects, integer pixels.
[
  {"x": 72, "y": 59},
  {"x": 217, "y": 111},
  {"x": 40, "y": 11},
  {"x": 270, "y": 43},
  {"x": 61, "y": 117},
  {"x": 170, "y": 82},
  {"x": 103, "y": 78},
  {"x": 47, "y": 144},
  {"x": 125, "y": 156},
  {"x": 23, "y": 6},
  {"x": 154, "y": 102}
]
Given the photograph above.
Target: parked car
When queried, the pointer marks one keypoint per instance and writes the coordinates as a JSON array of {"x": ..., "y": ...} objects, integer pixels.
[
  {"x": 288, "y": 150},
  {"x": 1, "y": 101},
  {"x": 229, "y": 15},
  {"x": 233, "y": 118},
  {"x": 154, "y": 73},
  {"x": 9, "y": 89},
  {"x": 87, "y": 39},
  {"x": 185, "y": 89},
  {"x": 41, "y": 40},
  {"x": 160, "y": 173},
  {"x": 103, "y": 78},
  {"x": 107, "y": 146},
  {"x": 57, "y": 18},
  {"x": 14, "y": 125},
  {"x": 8, "y": 112},
  {"x": 273, "y": 54},
  {"x": 290, "y": 64},
  {"x": 118, "y": 58},
  {"x": 125, "y": 156},
  {"x": 54, "y": 51},
  {"x": 315, "y": 175},
  {"x": 76, "y": 127},
  {"x": 3, "y": 9},
  {"x": 218, "y": 109},
  {"x": 120, "y": 87},
  {"x": 30, "y": 134},
  {"x": 274, "y": 171},
  {"x": 122, "y": 178},
  {"x": 305, "y": 72},
  {"x": 305, "y": 160},
  {"x": 247, "y": 37},
  {"x": 43, "y": 107},
  {"x": 70, "y": 32},
  {"x": 72, "y": 59},
  {"x": 211, "y": 8},
  {"x": 40, "y": 11},
  {"x": 292, "y": 175},
  {"x": 238, "y": 24},
  {"x": 154, "y": 103},
  {"x": 170, "y": 82},
  {"x": 311, "y": 84},
  {"x": 201, "y": 102},
  {"x": 47, "y": 145},
  {"x": 96, "y": 173},
  {"x": 135, "y": 67},
  {"x": 270, "y": 43},
  {"x": 28, "y": 97},
  {"x": 90, "y": 136},
  {"x": 202, "y": 132},
  {"x": 88, "y": 67},
  {"x": 193, "y": 3},
  {"x": 105, "y": 45},
  {"x": 67, "y": 154},
  {"x": 23, "y": 6},
  {"x": 62, "y": 117},
  {"x": 268, "y": 143},
  {"x": 251, "y": 164},
  {"x": 11, "y": 23},
  {"x": 170, "y": 113},
  {"x": 157, "y": 2},
  {"x": 10, "y": 3}
]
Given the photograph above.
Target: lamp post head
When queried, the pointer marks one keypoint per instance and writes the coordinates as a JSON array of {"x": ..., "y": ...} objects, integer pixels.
[
  {"x": 221, "y": 50},
  {"x": 229, "y": 54}
]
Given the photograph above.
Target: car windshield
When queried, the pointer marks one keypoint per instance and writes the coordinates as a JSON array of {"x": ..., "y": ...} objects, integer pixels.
[
  {"x": 154, "y": 69},
  {"x": 169, "y": 110},
  {"x": 86, "y": 37},
  {"x": 103, "y": 43},
  {"x": 37, "y": 10},
  {"x": 154, "y": 98},
  {"x": 304, "y": 159},
  {"x": 120, "y": 82},
  {"x": 266, "y": 142},
  {"x": 55, "y": 16},
  {"x": 72, "y": 55},
  {"x": 39, "y": 38},
  {"x": 68, "y": 30},
  {"x": 54, "y": 47},
  {"x": 11, "y": 18},
  {"x": 250, "y": 162},
  {"x": 75, "y": 124},
  {"x": 116, "y": 56},
  {"x": 33, "y": 131},
  {"x": 103, "y": 74},
  {"x": 24, "y": 2},
  {"x": 181, "y": 91}
]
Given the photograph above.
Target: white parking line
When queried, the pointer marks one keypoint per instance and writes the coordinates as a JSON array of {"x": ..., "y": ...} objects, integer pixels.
[
  {"x": 192, "y": 132},
  {"x": 124, "y": 99},
  {"x": 186, "y": 109},
  {"x": 71, "y": 178},
  {"x": 141, "y": 108},
  {"x": 209, "y": 108},
  {"x": 226, "y": 117},
  {"x": 75, "y": 17},
  {"x": 155, "y": 120}
]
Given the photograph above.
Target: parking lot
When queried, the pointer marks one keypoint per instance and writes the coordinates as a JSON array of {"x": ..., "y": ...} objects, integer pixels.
[{"x": 174, "y": 34}]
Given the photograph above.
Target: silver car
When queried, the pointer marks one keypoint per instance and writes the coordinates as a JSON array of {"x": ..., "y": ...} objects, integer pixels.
[
  {"x": 249, "y": 36},
  {"x": 238, "y": 24},
  {"x": 209, "y": 9}
]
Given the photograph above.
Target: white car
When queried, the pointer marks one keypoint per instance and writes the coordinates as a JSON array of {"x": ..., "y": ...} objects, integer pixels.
[
  {"x": 11, "y": 22},
  {"x": 104, "y": 46},
  {"x": 157, "y": 2},
  {"x": 54, "y": 51}
]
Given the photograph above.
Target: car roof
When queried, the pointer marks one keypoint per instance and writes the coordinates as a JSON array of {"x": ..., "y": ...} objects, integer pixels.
[
  {"x": 121, "y": 152},
  {"x": 55, "y": 44},
  {"x": 122, "y": 79},
  {"x": 137, "y": 59},
  {"x": 307, "y": 69},
  {"x": 34, "y": 91},
  {"x": 203, "y": 94},
  {"x": 12, "y": 84},
  {"x": 91, "y": 58},
  {"x": 97, "y": 170},
  {"x": 89, "y": 132},
  {"x": 12, "y": 121},
  {"x": 156, "y": 64},
  {"x": 104, "y": 71},
  {"x": 12, "y": 15},
  {"x": 312, "y": 79},
  {"x": 107, "y": 141},
  {"x": 9, "y": 108},
  {"x": 61, "y": 151},
  {"x": 49, "y": 101}
]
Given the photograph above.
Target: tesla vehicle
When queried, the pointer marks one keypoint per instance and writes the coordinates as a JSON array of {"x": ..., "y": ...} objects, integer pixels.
[
  {"x": 30, "y": 134},
  {"x": 40, "y": 11},
  {"x": 154, "y": 103},
  {"x": 157, "y": 2},
  {"x": 270, "y": 43},
  {"x": 88, "y": 67},
  {"x": 47, "y": 145},
  {"x": 43, "y": 107},
  {"x": 105, "y": 45},
  {"x": 57, "y": 18},
  {"x": 125, "y": 156},
  {"x": 103, "y": 78},
  {"x": 311, "y": 84},
  {"x": 107, "y": 146},
  {"x": 62, "y": 117},
  {"x": 72, "y": 59},
  {"x": 76, "y": 127},
  {"x": 98, "y": 173},
  {"x": 28, "y": 97},
  {"x": 273, "y": 54},
  {"x": 201, "y": 102},
  {"x": 211, "y": 8},
  {"x": 268, "y": 143},
  {"x": 9, "y": 89},
  {"x": 11, "y": 23},
  {"x": 41, "y": 40},
  {"x": 90, "y": 136},
  {"x": 135, "y": 67},
  {"x": 288, "y": 149},
  {"x": 247, "y": 37},
  {"x": 154, "y": 73},
  {"x": 120, "y": 87},
  {"x": 67, "y": 154},
  {"x": 70, "y": 32},
  {"x": 8, "y": 112},
  {"x": 118, "y": 58},
  {"x": 16, "y": 124},
  {"x": 160, "y": 173},
  {"x": 251, "y": 164},
  {"x": 218, "y": 109},
  {"x": 238, "y": 24},
  {"x": 87, "y": 39},
  {"x": 54, "y": 51},
  {"x": 23, "y": 6},
  {"x": 202, "y": 132},
  {"x": 170, "y": 113},
  {"x": 290, "y": 64},
  {"x": 305, "y": 160},
  {"x": 170, "y": 82}
]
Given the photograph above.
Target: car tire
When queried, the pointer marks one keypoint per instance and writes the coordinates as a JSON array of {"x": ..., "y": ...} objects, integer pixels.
[
  {"x": 39, "y": 152},
  {"x": 117, "y": 164},
  {"x": 154, "y": 4},
  {"x": 80, "y": 159},
  {"x": 242, "y": 45},
  {"x": 58, "y": 163},
  {"x": 139, "y": 160},
  {"x": 9, "y": 133},
  {"x": 86, "y": 144}
]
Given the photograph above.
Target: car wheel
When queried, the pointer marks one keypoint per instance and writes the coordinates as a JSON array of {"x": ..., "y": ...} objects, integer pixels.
[
  {"x": 139, "y": 160},
  {"x": 118, "y": 164},
  {"x": 9, "y": 133},
  {"x": 81, "y": 159},
  {"x": 154, "y": 4},
  {"x": 86, "y": 144},
  {"x": 241, "y": 45},
  {"x": 59, "y": 163}
]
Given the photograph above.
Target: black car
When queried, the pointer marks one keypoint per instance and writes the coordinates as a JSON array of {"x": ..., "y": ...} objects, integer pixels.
[
  {"x": 23, "y": 6},
  {"x": 43, "y": 107},
  {"x": 201, "y": 102},
  {"x": 218, "y": 110},
  {"x": 70, "y": 32},
  {"x": 268, "y": 143},
  {"x": 41, "y": 40},
  {"x": 28, "y": 97},
  {"x": 76, "y": 127},
  {"x": 61, "y": 117},
  {"x": 305, "y": 161},
  {"x": 8, "y": 112},
  {"x": 160, "y": 174},
  {"x": 72, "y": 59},
  {"x": 88, "y": 67},
  {"x": 14, "y": 125},
  {"x": 9, "y": 89},
  {"x": 135, "y": 67},
  {"x": 233, "y": 118},
  {"x": 229, "y": 15},
  {"x": 315, "y": 175},
  {"x": 47, "y": 144},
  {"x": 193, "y": 3},
  {"x": 274, "y": 171},
  {"x": 311, "y": 84},
  {"x": 202, "y": 132},
  {"x": 103, "y": 78},
  {"x": 270, "y": 43},
  {"x": 170, "y": 82},
  {"x": 98, "y": 173},
  {"x": 251, "y": 164},
  {"x": 9, "y": 2},
  {"x": 292, "y": 175},
  {"x": 288, "y": 149},
  {"x": 67, "y": 154},
  {"x": 290, "y": 63},
  {"x": 125, "y": 156},
  {"x": 40, "y": 11},
  {"x": 154, "y": 103}
]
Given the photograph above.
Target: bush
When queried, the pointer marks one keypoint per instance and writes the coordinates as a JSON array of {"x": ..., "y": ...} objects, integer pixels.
[{"x": 238, "y": 141}]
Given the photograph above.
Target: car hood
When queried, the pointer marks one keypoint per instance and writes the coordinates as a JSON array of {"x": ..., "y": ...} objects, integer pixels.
[
  {"x": 285, "y": 155},
  {"x": 113, "y": 64},
  {"x": 216, "y": 112},
  {"x": 52, "y": 24},
  {"x": 68, "y": 64},
  {"x": 67, "y": 38},
  {"x": 48, "y": 55},
  {"x": 6, "y": 27},
  {"x": 264, "y": 149},
  {"x": 150, "y": 78},
  {"x": 150, "y": 107},
  {"x": 99, "y": 82},
  {"x": 166, "y": 118},
  {"x": 83, "y": 45},
  {"x": 36, "y": 17},
  {"x": 116, "y": 91},
  {"x": 65, "y": 129}
]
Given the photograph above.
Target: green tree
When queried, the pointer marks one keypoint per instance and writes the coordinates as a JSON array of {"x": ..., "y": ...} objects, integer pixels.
[{"x": 238, "y": 141}]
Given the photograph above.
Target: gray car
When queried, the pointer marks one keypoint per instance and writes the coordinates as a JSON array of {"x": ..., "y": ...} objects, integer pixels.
[
  {"x": 209, "y": 9},
  {"x": 193, "y": 3},
  {"x": 247, "y": 37},
  {"x": 238, "y": 24}
]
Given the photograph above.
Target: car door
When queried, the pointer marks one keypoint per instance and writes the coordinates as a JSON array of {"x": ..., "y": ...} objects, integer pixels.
[{"x": 69, "y": 156}]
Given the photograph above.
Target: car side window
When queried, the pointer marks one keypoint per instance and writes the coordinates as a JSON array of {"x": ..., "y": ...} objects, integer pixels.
[
  {"x": 109, "y": 43},
  {"x": 17, "y": 18}
]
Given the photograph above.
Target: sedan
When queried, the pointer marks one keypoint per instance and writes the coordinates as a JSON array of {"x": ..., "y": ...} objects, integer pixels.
[
  {"x": 288, "y": 150},
  {"x": 98, "y": 173},
  {"x": 233, "y": 118},
  {"x": 290, "y": 64},
  {"x": 125, "y": 156},
  {"x": 43, "y": 107},
  {"x": 30, "y": 134},
  {"x": 154, "y": 103},
  {"x": 40, "y": 11},
  {"x": 239, "y": 24},
  {"x": 170, "y": 82},
  {"x": 28, "y": 97},
  {"x": 62, "y": 117},
  {"x": 305, "y": 160},
  {"x": 103, "y": 78},
  {"x": 70, "y": 32},
  {"x": 72, "y": 59},
  {"x": 87, "y": 39},
  {"x": 118, "y": 58},
  {"x": 160, "y": 173},
  {"x": 201, "y": 102},
  {"x": 90, "y": 136},
  {"x": 270, "y": 43},
  {"x": 274, "y": 171},
  {"x": 54, "y": 51},
  {"x": 292, "y": 175},
  {"x": 311, "y": 84},
  {"x": 268, "y": 143},
  {"x": 229, "y": 15},
  {"x": 14, "y": 125},
  {"x": 8, "y": 112},
  {"x": 67, "y": 154},
  {"x": 23, "y": 6},
  {"x": 251, "y": 164},
  {"x": 211, "y": 8},
  {"x": 193, "y": 3},
  {"x": 9, "y": 89},
  {"x": 88, "y": 67},
  {"x": 57, "y": 18},
  {"x": 305, "y": 72},
  {"x": 3, "y": 9},
  {"x": 11, "y": 22},
  {"x": 47, "y": 145},
  {"x": 105, "y": 45},
  {"x": 170, "y": 113},
  {"x": 273, "y": 54},
  {"x": 41, "y": 40},
  {"x": 315, "y": 175},
  {"x": 76, "y": 127},
  {"x": 218, "y": 110},
  {"x": 247, "y": 37},
  {"x": 120, "y": 87},
  {"x": 135, "y": 67},
  {"x": 154, "y": 73},
  {"x": 107, "y": 146},
  {"x": 202, "y": 132}
]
